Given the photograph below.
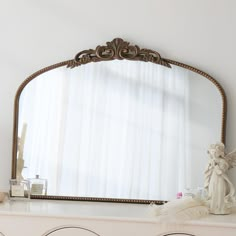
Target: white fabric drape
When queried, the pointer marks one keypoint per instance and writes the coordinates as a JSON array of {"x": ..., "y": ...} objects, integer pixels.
[{"x": 113, "y": 129}]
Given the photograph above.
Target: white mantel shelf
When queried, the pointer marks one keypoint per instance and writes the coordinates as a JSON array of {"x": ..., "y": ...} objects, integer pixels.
[
  {"x": 77, "y": 209},
  {"x": 101, "y": 211},
  {"x": 107, "y": 219}
]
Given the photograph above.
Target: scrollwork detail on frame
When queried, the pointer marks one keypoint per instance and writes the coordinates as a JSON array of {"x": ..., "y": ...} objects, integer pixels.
[{"x": 117, "y": 49}]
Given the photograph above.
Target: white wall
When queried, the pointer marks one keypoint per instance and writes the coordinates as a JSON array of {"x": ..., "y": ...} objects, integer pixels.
[{"x": 38, "y": 33}]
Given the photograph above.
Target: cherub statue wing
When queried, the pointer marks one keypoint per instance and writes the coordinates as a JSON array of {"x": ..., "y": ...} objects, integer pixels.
[{"x": 231, "y": 159}]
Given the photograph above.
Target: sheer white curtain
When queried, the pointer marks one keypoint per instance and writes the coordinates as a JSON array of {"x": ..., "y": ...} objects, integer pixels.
[{"x": 113, "y": 129}]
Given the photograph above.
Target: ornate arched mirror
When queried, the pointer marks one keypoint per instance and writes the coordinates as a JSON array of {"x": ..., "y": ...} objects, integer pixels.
[{"x": 117, "y": 123}]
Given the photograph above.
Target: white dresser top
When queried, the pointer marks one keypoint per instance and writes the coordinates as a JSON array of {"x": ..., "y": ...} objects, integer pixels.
[{"x": 100, "y": 211}]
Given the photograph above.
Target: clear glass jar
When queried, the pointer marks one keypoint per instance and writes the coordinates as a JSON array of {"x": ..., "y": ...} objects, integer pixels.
[
  {"x": 189, "y": 192},
  {"x": 19, "y": 189},
  {"x": 38, "y": 186}
]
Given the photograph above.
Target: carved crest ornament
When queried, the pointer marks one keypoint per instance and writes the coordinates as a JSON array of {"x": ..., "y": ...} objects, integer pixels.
[{"x": 117, "y": 49}]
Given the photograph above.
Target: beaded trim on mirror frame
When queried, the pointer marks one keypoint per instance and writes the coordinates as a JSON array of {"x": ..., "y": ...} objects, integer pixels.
[
  {"x": 96, "y": 199},
  {"x": 116, "y": 49}
]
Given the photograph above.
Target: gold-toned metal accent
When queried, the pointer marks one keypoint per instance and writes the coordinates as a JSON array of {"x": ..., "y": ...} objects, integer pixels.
[
  {"x": 116, "y": 49},
  {"x": 96, "y": 199}
]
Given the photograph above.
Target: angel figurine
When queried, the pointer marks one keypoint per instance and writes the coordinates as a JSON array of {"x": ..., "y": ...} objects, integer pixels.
[{"x": 221, "y": 192}]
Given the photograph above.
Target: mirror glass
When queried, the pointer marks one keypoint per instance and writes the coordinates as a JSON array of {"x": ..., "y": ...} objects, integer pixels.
[{"x": 119, "y": 129}]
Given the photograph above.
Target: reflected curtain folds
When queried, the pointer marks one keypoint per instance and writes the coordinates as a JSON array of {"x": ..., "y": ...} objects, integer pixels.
[{"x": 114, "y": 129}]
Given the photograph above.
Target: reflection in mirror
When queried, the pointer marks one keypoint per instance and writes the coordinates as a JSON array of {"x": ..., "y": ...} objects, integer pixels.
[{"x": 119, "y": 129}]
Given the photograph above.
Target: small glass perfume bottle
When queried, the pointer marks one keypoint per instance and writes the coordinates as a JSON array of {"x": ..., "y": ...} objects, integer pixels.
[
  {"x": 188, "y": 192},
  {"x": 38, "y": 186},
  {"x": 201, "y": 193},
  {"x": 19, "y": 189}
]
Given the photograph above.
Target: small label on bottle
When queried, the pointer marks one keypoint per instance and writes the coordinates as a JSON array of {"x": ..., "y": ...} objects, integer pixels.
[
  {"x": 17, "y": 191},
  {"x": 37, "y": 189}
]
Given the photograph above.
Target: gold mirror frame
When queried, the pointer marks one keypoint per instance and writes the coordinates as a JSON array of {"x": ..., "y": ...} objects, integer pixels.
[{"x": 116, "y": 49}]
